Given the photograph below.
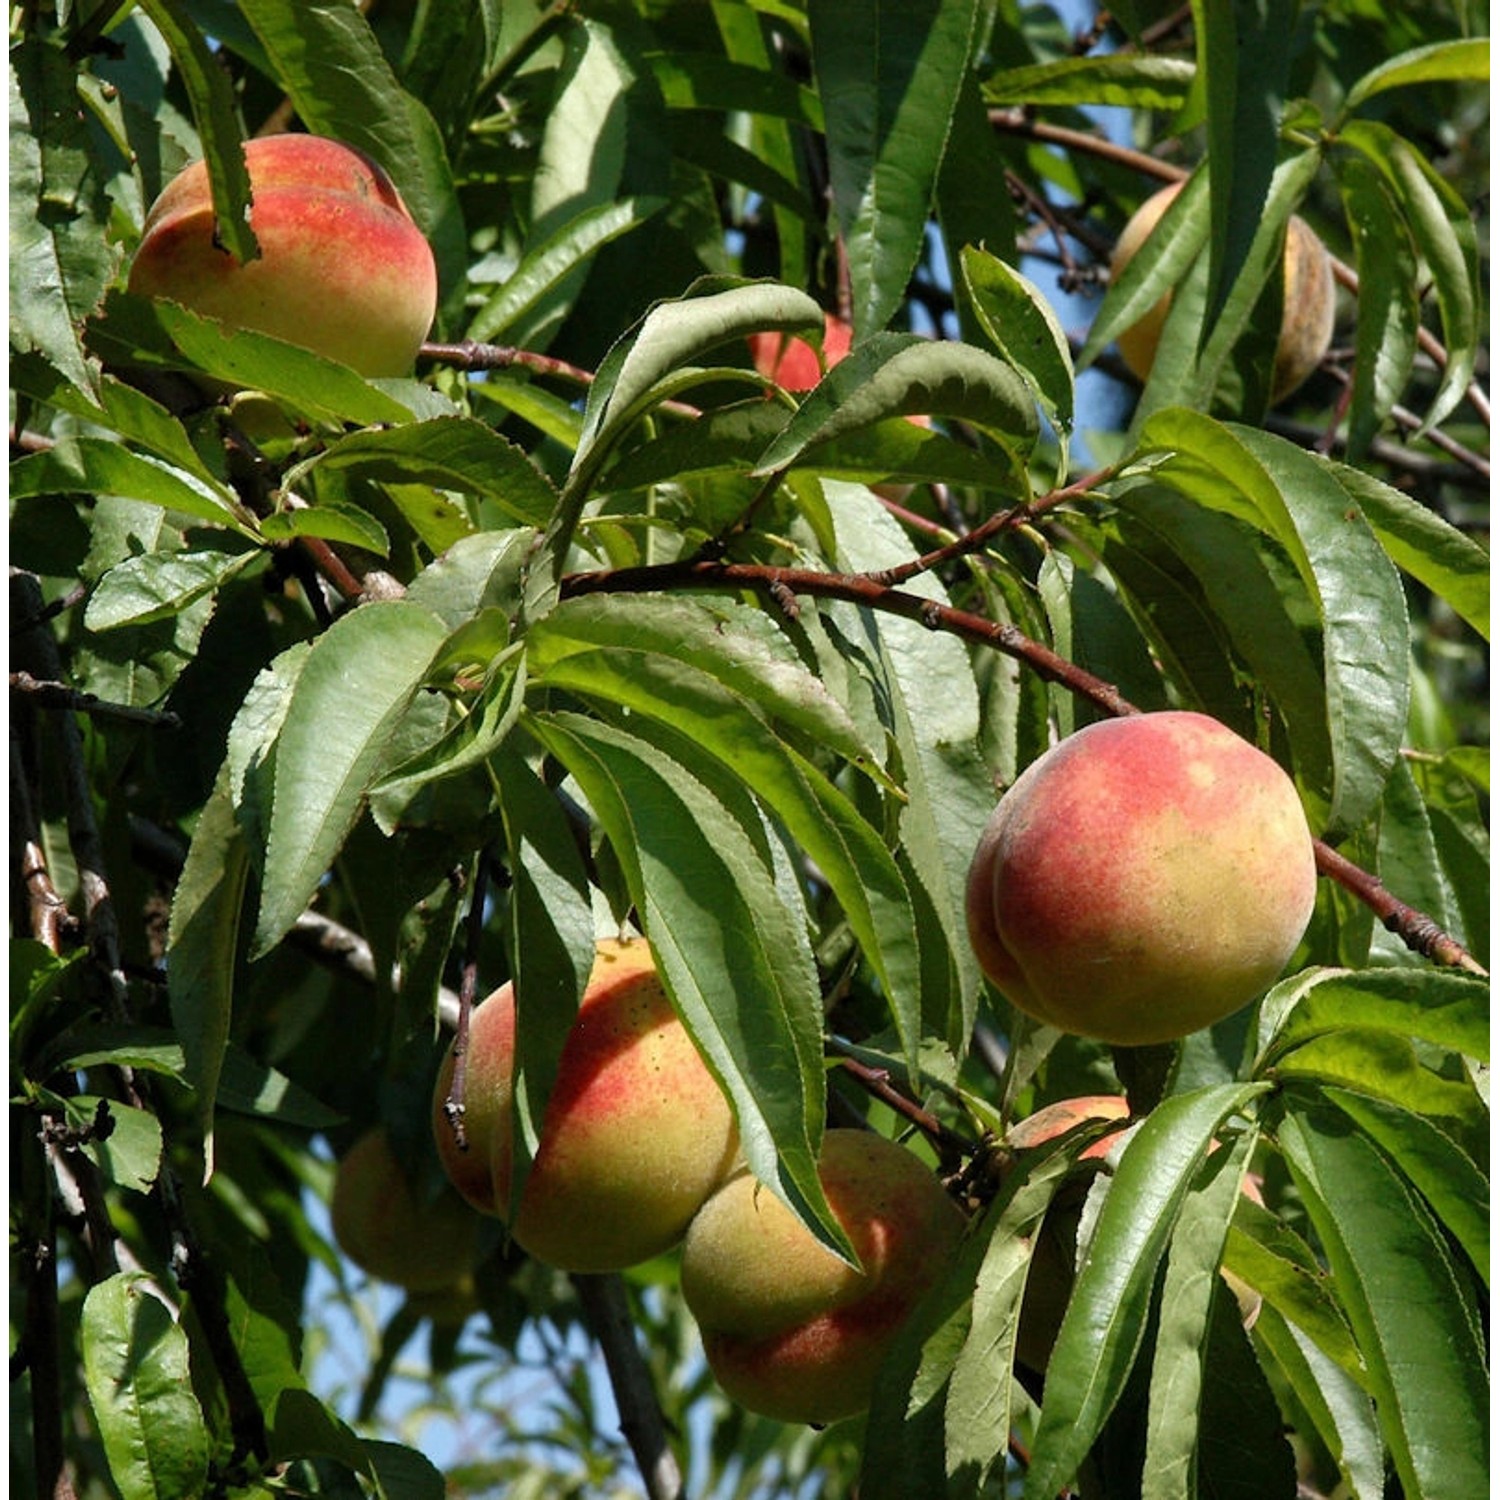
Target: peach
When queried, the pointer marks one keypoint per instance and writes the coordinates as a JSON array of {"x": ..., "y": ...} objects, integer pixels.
[
  {"x": 789, "y": 1329},
  {"x": 635, "y": 1134},
  {"x": 343, "y": 270},
  {"x": 388, "y": 1227},
  {"x": 1142, "y": 879},
  {"x": 793, "y": 363},
  {"x": 1307, "y": 300}
]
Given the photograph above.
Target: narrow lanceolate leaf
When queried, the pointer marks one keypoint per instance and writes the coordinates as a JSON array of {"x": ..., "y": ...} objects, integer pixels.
[
  {"x": 1131, "y": 81},
  {"x": 1446, "y": 1176},
  {"x": 1388, "y": 310},
  {"x": 1415, "y": 1321},
  {"x": 1106, "y": 1316},
  {"x": 1297, "y": 499},
  {"x": 1244, "y": 52},
  {"x": 1178, "y": 1375},
  {"x": 202, "y": 942},
  {"x": 1340, "y": 1409},
  {"x": 889, "y": 75},
  {"x": 1023, "y": 326},
  {"x": 60, "y": 256},
  {"x": 685, "y": 700},
  {"x": 355, "y": 684},
  {"x": 449, "y": 453},
  {"x": 544, "y": 266},
  {"x": 1439, "y": 556},
  {"x": 211, "y": 96},
  {"x": 1441, "y": 1006},
  {"x": 156, "y": 585},
  {"x": 1466, "y": 61},
  {"x": 97, "y": 466},
  {"x": 899, "y": 374},
  {"x": 1443, "y": 230},
  {"x": 135, "y": 1368},
  {"x": 732, "y": 954}
]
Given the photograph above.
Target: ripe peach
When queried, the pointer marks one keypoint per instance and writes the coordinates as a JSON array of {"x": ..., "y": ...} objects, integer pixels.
[
  {"x": 342, "y": 270},
  {"x": 1144, "y": 878},
  {"x": 636, "y": 1133},
  {"x": 793, "y": 363},
  {"x": 789, "y": 1329},
  {"x": 1307, "y": 302},
  {"x": 385, "y": 1225}
]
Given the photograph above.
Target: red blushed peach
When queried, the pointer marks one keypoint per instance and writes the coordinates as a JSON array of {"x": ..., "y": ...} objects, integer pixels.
[
  {"x": 1144, "y": 878},
  {"x": 789, "y": 1329},
  {"x": 635, "y": 1135},
  {"x": 343, "y": 270}
]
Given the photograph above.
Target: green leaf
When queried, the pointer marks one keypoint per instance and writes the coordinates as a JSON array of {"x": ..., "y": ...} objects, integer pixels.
[
  {"x": 696, "y": 81},
  {"x": 202, "y": 944},
  {"x": 1131, "y": 81},
  {"x": 1340, "y": 1411},
  {"x": 1024, "y": 328},
  {"x": 129, "y": 1156},
  {"x": 356, "y": 683},
  {"x": 1454, "y": 1187},
  {"x": 1180, "y": 1373},
  {"x": 1441, "y": 1006},
  {"x": 135, "y": 1368},
  {"x": 1244, "y": 52},
  {"x": 1443, "y": 230},
  {"x": 1464, "y": 60},
  {"x": 97, "y": 466},
  {"x": 1106, "y": 1315},
  {"x": 731, "y": 954},
  {"x": 211, "y": 97},
  {"x": 450, "y": 453},
  {"x": 1416, "y": 1325},
  {"x": 250, "y": 1087},
  {"x": 889, "y": 76},
  {"x": 1389, "y": 313},
  {"x": 825, "y": 824},
  {"x": 545, "y": 265},
  {"x": 1297, "y": 499},
  {"x": 60, "y": 254},
  {"x": 1439, "y": 556},
  {"x": 157, "y": 585},
  {"x": 899, "y": 374}
]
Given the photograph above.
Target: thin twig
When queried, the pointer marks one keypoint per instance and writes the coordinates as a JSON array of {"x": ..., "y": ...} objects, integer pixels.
[
  {"x": 454, "y": 1106},
  {"x": 59, "y": 695}
]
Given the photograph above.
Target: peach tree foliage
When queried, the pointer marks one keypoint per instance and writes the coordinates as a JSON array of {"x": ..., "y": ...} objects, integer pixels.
[{"x": 332, "y": 703}]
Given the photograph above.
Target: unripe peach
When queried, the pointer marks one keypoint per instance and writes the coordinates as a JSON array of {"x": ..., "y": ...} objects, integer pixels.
[
  {"x": 789, "y": 1329},
  {"x": 342, "y": 270},
  {"x": 1142, "y": 879},
  {"x": 1307, "y": 301},
  {"x": 635, "y": 1135},
  {"x": 386, "y": 1226}
]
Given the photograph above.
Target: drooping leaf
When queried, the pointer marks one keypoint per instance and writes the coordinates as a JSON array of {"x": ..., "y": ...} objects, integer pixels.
[
  {"x": 135, "y": 1368},
  {"x": 356, "y": 682},
  {"x": 1416, "y": 1325},
  {"x": 451, "y": 453},
  {"x": 203, "y": 941},
  {"x": 1298, "y": 500},
  {"x": 889, "y": 75},
  {"x": 1466, "y": 60},
  {"x": 1102, "y": 1327},
  {"x": 731, "y": 954}
]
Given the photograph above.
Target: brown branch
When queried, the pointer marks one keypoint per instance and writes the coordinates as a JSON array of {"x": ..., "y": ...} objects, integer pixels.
[
  {"x": 59, "y": 695},
  {"x": 641, "y": 1421},
  {"x": 949, "y": 1144},
  {"x": 1418, "y": 931}
]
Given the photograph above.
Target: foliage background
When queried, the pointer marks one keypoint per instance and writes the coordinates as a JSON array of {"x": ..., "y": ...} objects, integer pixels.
[{"x": 427, "y": 681}]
